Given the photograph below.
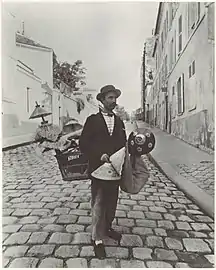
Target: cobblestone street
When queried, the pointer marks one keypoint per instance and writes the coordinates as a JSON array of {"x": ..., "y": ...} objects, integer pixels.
[
  {"x": 46, "y": 221},
  {"x": 202, "y": 174}
]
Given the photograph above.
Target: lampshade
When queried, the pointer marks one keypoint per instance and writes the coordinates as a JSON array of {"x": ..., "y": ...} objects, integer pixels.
[
  {"x": 111, "y": 171},
  {"x": 39, "y": 112}
]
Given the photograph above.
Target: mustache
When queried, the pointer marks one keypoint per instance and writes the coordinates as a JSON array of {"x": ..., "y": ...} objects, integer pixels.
[{"x": 114, "y": 104}]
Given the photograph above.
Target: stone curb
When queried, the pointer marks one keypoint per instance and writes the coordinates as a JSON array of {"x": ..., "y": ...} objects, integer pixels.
[
  {"x": 17, "y": 145},
  {"x": 200, "y": 197}
]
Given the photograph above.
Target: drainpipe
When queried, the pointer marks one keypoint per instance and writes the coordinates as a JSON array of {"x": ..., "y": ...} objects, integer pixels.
[
  {"x": 27, "y": 88},
  {"x": 144, "y": 53}
]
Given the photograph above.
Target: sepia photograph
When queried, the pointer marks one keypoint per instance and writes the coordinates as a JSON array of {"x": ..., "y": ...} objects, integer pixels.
[{"x": 108, "y": 136}]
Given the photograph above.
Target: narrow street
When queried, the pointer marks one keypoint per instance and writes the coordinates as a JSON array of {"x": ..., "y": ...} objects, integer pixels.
[
  {"x": 46, "y": 221},
  {"x": 146, "y": 64}
]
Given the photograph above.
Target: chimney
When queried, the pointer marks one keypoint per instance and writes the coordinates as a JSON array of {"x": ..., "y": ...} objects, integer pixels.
[{"x": 23, "y": 28}]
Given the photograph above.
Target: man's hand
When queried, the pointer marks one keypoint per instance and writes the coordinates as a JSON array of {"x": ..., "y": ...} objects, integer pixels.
[{"x": 105, "y": 158}]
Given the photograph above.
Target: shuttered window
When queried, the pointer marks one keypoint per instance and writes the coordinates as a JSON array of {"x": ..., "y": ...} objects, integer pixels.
[
  {"x": 193, "y": 67},
  {"x": 180, "y": 94},
  {"x": 171, "y": 55},
  {"x": 193, "y": 15},
  {"x": 174, "y": 48},
  {"x": 173, "y": 102},
  {"x": 165, "y": 68},
  {"x": 180, "y": 34}
]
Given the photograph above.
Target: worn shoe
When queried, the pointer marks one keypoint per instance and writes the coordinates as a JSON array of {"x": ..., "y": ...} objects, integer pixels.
[
  {"x": 99, "y": 251},
  {"x": 114, "y": 235}
]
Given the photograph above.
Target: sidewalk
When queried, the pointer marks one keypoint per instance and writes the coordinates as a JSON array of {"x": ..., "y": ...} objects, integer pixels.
[
  {"x": 15, "y": 141},
  {"x": 191, "y": 169}
]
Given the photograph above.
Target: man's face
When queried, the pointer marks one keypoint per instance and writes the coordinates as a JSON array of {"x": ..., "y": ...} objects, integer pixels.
[{"x": 109, "y": 101}]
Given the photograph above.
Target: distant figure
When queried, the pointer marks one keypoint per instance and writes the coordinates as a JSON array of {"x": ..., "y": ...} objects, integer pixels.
[{"x": 103, "y": 135}]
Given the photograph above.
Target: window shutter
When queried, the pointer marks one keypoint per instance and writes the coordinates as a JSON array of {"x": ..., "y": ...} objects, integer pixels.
[
  {"x": 171, "y": 55},
  {"x": 193, "y": 15},
  {"x": 189, "y": 71},
  {"x": 193, "y": 67},
  {"x": 166, "y": 67},
  {"x": 179, "y": 95},
  {"x": 198, "y": 11},
  {"x": 174, "y": 49},
  {"x": 180, "y": 34},
  {"x": 182, "y": 93},
  {"x": 162, "y": 40},
  {"x": 174, "y": 103}
]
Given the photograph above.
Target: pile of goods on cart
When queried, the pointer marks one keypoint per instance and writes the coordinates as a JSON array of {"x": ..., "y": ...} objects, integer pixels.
[{"x": 72, "y": 164}]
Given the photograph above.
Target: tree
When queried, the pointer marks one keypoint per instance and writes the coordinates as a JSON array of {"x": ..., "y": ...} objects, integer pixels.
[
  {"x": 80, "y": 104},
  {"x": 72, "y": 75}
]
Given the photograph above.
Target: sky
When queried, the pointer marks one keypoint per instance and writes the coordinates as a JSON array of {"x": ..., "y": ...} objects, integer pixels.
[{"x": 107, "y": 36}]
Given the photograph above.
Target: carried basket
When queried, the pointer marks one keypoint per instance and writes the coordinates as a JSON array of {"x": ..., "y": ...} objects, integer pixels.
[{"x": 72, "y": 164}]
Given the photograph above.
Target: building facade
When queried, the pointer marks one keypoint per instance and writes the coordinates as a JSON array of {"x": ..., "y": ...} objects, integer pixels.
[
  {"x": 181, "y": 99},
  {"x": 27, "y": 66},
  {"x": 27, "y": 77},
  {"x": 147, "y": 75}
]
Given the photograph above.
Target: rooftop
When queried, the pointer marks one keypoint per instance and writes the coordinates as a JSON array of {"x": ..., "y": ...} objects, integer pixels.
[{"x": 25, "y": 40}]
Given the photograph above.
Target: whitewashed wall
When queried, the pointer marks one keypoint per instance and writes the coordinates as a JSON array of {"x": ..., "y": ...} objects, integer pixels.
[
  {"x": 17, "y": 128},
  {"x": 69, "y": 105},
  {"x": 39, "y": 59}
]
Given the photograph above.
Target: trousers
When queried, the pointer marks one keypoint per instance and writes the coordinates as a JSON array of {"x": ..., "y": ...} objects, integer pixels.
[{"x": 104, "y": 202}]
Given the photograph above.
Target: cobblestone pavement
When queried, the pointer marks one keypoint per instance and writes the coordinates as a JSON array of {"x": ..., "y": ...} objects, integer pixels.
[
  {"x": 46, "y": 221},
  {"x": 201, "y": 174}
]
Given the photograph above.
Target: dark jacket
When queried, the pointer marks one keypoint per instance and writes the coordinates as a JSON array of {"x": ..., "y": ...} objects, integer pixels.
[{"x": 95, "y": 139}]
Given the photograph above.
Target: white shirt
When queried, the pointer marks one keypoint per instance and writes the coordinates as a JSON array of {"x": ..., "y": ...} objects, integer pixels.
[{"x": 110, "y": 120}]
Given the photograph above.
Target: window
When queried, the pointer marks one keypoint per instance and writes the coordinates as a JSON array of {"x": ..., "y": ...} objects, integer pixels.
[
  {"x": 173, "y": 90},
  {"x": 171, "y": 55},
  {"x": 167, "y": 23},
  {"x": 180, "y": 94},
  {"x": 189, "y": 71},
  {"x": 157, "y": 85},
  {"x": 162, "y": 74},
  {"x": 198, "y": 11},
  {"x": 192, "y": 89},
  {"x": 27, "y": 99},
  {"x": 175, "y": 6},
  {"x": 193, "y": 67},
  {"x": 174, "y": 48},
  {"x": 170, "y": 15},
  {"x": 165, "y": 68},
  {"x": 156, "y": 59},
  {"x": 162, "y": 40},
  {"x": 193, "y": 15},
  {"x": 173, "y": 103},
  {"x": 165, "y": 26},
  {"x": 180, "y": 34}
]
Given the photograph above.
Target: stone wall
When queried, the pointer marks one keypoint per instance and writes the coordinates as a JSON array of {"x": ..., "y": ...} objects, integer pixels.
[{"x": 197, "y": 129}]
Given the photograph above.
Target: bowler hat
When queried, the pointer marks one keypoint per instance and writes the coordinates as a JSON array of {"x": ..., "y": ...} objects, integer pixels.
[{"x": 106, "y": 89}]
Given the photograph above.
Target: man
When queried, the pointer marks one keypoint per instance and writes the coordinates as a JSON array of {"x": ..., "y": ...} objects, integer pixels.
[{"x": 103, "y": 135}]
